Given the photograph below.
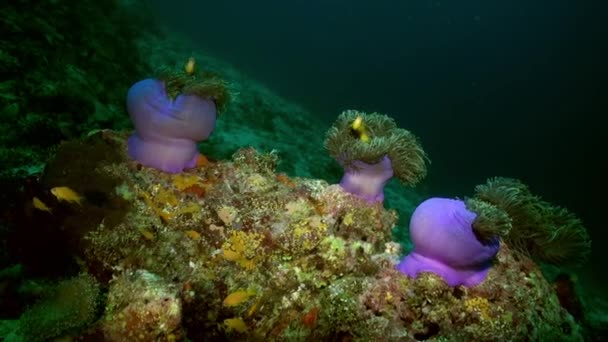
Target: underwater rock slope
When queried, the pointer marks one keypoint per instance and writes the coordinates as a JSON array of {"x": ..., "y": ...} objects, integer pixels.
[{"x": 64, "y": 69}]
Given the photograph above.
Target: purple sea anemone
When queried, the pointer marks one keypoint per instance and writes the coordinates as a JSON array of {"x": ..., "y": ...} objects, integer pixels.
[
  {"x": 167, "y": 130},
  {"x": 445, "y": 243}
]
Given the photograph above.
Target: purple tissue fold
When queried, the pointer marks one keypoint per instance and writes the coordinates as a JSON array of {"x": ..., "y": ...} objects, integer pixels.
[
  {"x": 367, "y": 181},
  {"x": 445, "y": 244},
  {"x": 167, "y": 130}
]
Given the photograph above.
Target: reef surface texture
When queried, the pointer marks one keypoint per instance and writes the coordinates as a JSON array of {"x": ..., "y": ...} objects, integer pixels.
[{"x": 234, "y": 250}]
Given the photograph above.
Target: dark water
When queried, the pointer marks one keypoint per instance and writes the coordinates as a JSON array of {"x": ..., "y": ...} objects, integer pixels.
[{"x": 493, "y": 88}]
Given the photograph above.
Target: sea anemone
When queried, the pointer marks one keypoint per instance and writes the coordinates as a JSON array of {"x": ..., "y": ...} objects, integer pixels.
[{"x": 372, "y": 149}]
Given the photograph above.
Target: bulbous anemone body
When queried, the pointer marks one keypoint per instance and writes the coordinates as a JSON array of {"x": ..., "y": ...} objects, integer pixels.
[
  {"x": 167, "y": 130},
  {"x": 367, "y": 181},
  {"x": 445, "y": 244}
]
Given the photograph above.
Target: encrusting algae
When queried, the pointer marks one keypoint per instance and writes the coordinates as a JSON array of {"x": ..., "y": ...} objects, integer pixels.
[{"x": 257, "y": 255}]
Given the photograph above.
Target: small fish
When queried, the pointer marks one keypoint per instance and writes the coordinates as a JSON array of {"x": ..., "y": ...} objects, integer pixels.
[
  {"x": 63, "y": 193},
  {"x": 190, "y": 65},
  {"x": 193, "y": 234},
  {"x": 238, "y": 297},
  {"x": 358, "y": 123},
  {"x": 237, "y": 324},
  {"x": 358, "y": 127},
  {"x": 38, "y": 204}
]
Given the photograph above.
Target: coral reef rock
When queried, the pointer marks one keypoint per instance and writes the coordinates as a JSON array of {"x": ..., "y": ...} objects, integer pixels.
[{"x": 234, "y": 250}]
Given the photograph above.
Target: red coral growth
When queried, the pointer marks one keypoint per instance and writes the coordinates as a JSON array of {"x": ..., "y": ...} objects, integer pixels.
[
  {"x": 283, "y": 178},
  {"x": 310, "y": 318},
  {"x": 196, "y": 190}
]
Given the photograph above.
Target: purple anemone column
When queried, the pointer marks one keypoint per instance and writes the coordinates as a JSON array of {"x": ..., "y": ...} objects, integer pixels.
[{"x": 167, "y": 130}]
